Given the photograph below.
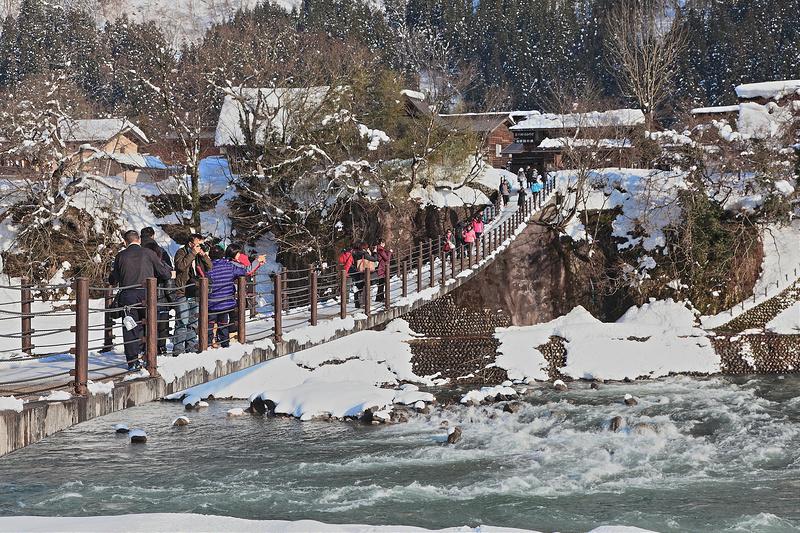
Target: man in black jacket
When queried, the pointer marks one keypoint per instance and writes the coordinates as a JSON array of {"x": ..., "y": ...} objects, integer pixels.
[{"x": 131, "y": 267}]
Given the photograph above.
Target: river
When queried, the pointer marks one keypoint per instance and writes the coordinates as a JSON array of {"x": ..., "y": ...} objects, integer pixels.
[{"x": 714, "y": 454}]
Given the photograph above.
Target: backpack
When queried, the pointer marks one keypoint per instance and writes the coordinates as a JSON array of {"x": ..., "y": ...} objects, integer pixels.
[{"x": 346, "y": 258}]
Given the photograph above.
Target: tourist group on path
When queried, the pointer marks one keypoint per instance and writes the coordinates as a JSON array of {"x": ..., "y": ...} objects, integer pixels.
[{"x": 143, "y": 258}]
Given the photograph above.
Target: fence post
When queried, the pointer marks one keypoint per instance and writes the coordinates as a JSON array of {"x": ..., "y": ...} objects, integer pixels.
[
  {"x": 27, "y": 331},
  {"x": 202, "y": 315},
  {"x": 284, "y": 287},
  {"x": 312, "y": 294},
  {"x": 443, "y": 256},
  {"x": 151, "y": 326},
  {"x": 108, "y": 322},
  {"x": 81, "y": 329},
  {"x": 344, "y": 294},
  {"x": 277, "y": 305},
  {"x": 367, "y": 295},
  {"x": 387, "y": 285},
  {"x": 433, "y": 265},
  {"x": 251, "y": 289},
  {"x": 419, "y": 269},
  {"x": 405, "y": 279},
  {"x": 241, "y": 309},
  {"x": 452, "y": 262}
]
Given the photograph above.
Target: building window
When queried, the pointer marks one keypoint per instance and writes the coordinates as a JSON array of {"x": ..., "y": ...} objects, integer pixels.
[{"x": 498, "y": 148}]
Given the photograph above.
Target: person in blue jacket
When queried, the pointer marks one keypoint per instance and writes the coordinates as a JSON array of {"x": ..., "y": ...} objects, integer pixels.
[{"x": 221, "y": 301}]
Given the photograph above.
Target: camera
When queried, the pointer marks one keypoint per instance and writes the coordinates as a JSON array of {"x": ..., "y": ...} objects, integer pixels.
[{"x": 205, "y": 247}]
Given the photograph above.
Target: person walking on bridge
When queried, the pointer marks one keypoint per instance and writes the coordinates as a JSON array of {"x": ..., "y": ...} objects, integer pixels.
[
  {"x": 131, "y": 267},
  {"x": 505, "y": 192}
]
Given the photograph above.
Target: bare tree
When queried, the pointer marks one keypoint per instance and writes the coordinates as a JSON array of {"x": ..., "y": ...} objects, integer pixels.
[
  {"x": 444, "y": 81},
  {"x": 644, "y": 46}
]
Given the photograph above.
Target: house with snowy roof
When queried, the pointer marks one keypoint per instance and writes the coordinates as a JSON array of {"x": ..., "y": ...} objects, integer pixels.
[
  {"x": 766, "y": 110},
  {"x": 110, "y": 147},
  {"x": 541, "y": 139},
  {"x": 494, "y": 130},
  {"x": 251, "y": 117}
]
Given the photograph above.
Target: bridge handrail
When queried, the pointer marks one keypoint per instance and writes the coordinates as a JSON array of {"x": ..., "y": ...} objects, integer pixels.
[{"x": 299, "y": 296}]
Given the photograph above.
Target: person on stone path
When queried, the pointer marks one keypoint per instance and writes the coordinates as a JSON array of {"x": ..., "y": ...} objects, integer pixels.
[
  {"x": 448, "y": 241},
  {"x": 384, "y": 256},
  {"x": 477, "y": 226},
  {"x": 469, "y": 237},
  {"x": 521, "y": 176},
  {"x": 505, "y": 192},
  {"x": 131, "y": 267},
  {"x": 357, "y": 267}
]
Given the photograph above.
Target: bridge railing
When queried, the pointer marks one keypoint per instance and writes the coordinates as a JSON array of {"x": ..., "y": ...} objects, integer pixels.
[{"x": 268, "y": 304}]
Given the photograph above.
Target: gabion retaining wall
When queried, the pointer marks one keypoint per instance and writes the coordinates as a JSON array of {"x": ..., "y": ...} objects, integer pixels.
[
  {"x": 459, "y": 343},
  {"x": 760, "y": 353}
]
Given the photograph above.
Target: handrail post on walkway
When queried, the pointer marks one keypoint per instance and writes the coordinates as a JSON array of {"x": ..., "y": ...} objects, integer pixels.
[
  {"x": 443, "y": 257},
  {"x": 284, "y": 288},
  {"x": 452, "y": 262},
  {"x": 251, "y": 289},
  {"x": 27, "y": 331},
  {"x": 81, "y": 330},
  {"x": 387, "y": 285},
  {"x": 108, "y": 322},
  {"x": 431, "y": 258},
  {"x": 241, "y": 309},
  {"x": 367, "y": 296},
  {"x": 405, "y": 279},
  {"x": 202, "y": 315},
  {"x": 151, "y": 326},
  {"x": 419, "y": 269},
  {"x": 312, "y": 294},
  {"x": 344, "y": 294},
  {"x": 277, "y": 306}
]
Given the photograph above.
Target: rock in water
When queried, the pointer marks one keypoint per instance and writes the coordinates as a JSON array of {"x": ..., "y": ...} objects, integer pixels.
[
  {"x": 138, "y": 436},
  {"x": 367, "y": 417},
  {"x": 180, "y": 421},
  {"x": 121, "y": 428},
  {"x": 236, "y": 411},
  {"x": 615, "y": 423},
  {"x": 559, "y": 385},
  {"x": 454, "y": 435},
  {"x": 630, "y": 400},
  {"x": 511, "y": 407}
]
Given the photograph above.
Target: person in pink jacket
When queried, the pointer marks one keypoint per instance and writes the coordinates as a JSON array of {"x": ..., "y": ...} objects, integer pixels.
[
  {"x": 469, "y": 237},
  {"x": 477, "y": 226}
]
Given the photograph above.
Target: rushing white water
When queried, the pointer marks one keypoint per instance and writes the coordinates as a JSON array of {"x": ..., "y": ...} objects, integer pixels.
[{"x": 710, "y": 454}]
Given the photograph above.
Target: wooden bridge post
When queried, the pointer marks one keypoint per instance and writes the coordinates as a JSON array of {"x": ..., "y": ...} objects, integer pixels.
[
  {"x": 277, "y": 306},
  {"x": 81, "y": 330},
  {"x": 367, "y": 295},
  {"x": 312, "y": 294},
  {"x": 151, "y": 327},
  {"x": 452, "y": 262},
  {"x": 202, "y": 315},
  {"x": 284, "y": 289},
  {"x": 461, "y": 254},
  {"x": 241, "y": 309},
  {"x": 419, "y": 269},
  {"x": 344, "y": 294},
  {"x": 443, "y": 256},
  {"x": 432, "y": 262},
  {"x": 108, "y": 322},
  {"x": 405, "y": 278},
  {"x": 387, "y": 285},
  {"x": 27, "y": 329},
  {"x": 251, "y": 289}
]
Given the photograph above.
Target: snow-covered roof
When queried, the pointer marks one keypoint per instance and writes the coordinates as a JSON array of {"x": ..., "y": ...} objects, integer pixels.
[
  {"x": 716, "y": 109},
  {"x": 768, "y": 89},
  {"x": 273, "y": 109},
  {"x": 592, "y": 119},
  {"x": 560, "y": 142},
  {"x": 98, "y": 130},
  {"x": 416, "y": 95},
  {"x": 477, "y": 121},
  {"x": 130, "y": 160}
]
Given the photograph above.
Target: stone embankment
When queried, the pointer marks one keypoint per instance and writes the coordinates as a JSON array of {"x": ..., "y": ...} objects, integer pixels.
[{"x": 745, "y": 347}]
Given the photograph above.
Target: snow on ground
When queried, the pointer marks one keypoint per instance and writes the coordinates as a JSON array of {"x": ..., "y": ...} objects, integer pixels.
[
  {"x": 787, "y": 322},
  {"x": 653, "y": 340},
  {"x": 201, "y": 523}
]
